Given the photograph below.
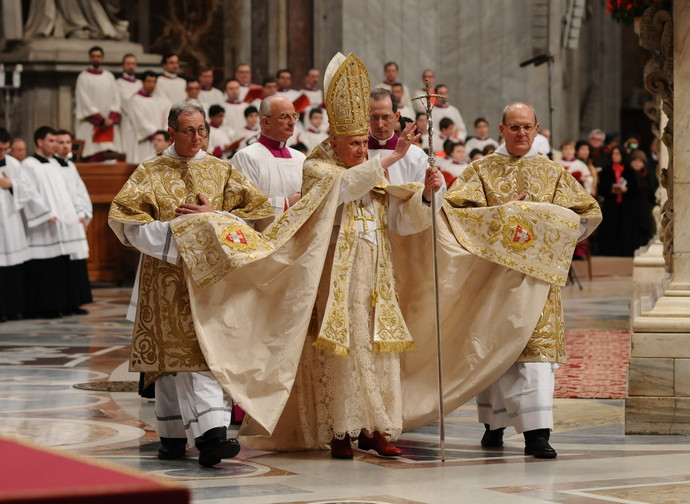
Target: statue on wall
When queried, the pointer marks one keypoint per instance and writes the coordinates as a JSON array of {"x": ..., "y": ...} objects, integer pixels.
[{"x": 83, "y": 19}]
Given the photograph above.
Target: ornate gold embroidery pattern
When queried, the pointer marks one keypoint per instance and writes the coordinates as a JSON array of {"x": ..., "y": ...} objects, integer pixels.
[
  {"x": 390, "y": 331},
  {"x": 547, "y": 343},
  {"x": 164, "y": 338},
  {"x": 484, "y": 231},
  {"x": 347, "y": 98}
]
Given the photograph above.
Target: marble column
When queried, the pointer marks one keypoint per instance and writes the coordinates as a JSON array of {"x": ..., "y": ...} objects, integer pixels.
[{"x": 659, "y": 380}]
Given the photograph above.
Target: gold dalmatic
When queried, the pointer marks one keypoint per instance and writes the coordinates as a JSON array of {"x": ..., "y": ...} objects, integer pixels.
[
  {"x": 164, "y": 338},
  {"x": 522, "y": 236}
]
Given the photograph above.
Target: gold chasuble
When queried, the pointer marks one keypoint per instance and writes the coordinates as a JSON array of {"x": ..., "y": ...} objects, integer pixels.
[{"x": 164, "y": 339}]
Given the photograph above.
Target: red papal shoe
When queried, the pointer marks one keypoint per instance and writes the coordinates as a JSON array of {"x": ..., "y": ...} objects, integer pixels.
[
  {"x": 341, "y": 448},
  {"x": 379, "y": 443}
]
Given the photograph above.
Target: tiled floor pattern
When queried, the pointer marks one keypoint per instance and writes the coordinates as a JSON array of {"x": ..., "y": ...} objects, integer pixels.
[{"x": 40, "y": 361}]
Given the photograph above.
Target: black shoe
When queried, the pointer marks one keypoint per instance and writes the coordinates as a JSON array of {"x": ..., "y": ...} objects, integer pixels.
[
  {"x": 493, "y": 438},
  {"x": 213, "y": 446},
  {"x": 537, "y": 444},
  {"x": 172, "y": 448},
  {"x": 80, "y": 311}
]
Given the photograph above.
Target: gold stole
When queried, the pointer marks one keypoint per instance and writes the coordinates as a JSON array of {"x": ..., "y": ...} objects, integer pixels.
[{"x": 390, "y": 331}]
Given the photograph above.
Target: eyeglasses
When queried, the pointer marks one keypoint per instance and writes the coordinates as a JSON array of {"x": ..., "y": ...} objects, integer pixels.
[
  {"x": 384, "y": 118},
  {"x": 202, "y": 132},
  {"x": 515, "y": 128},
  {"x": 286, "y": 116}
]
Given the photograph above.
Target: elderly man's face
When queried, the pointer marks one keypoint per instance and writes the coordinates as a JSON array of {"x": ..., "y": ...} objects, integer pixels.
[
  {"x": 519, "y": 130},
  {"x": 352, "y": 150},
  {"x": 596, "y": 140},
  {"x": 281, "y": 124},
  {"x": 382, "y": 120},
  {"x": 187, "y": 137}
]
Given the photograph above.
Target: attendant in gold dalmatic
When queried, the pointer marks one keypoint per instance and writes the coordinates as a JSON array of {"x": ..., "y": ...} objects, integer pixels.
[
  {"x": 523, "y": 396},
  {"x": 182, "y": 180}
]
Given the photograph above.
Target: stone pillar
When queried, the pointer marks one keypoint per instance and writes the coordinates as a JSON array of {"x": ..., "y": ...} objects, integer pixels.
[{"x": 659, "y": 381}]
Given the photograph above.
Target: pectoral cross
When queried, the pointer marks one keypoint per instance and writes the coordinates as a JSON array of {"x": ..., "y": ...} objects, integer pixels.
[{"x": 363, "y": 215}]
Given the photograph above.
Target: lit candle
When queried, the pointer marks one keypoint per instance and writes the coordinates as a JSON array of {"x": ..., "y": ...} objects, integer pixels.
[
  {"x": 16, "y": 75},
  {"x": 2, "y": 74}
]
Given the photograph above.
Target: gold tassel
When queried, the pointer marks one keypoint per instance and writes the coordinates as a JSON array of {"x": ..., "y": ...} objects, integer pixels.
[
  {"x": 393, "y": 346},
  {"x": 332, "y": 347}
]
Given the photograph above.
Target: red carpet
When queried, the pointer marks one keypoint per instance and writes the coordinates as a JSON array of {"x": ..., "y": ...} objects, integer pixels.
[
  {"x": 30, "y": 474},
  {"x": 597, "y": 365}
]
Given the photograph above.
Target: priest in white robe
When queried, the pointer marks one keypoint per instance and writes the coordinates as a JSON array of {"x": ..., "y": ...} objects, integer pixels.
[
  {"x": 383, "y": 139},
  {"x": 268, "y": 163},
  {"x": 127, "y": 83},
  {"x": 234, "y": 107},
  {"x": 171, "y": 88},
  {"x": 97, "y": 107},
  {"x": 444, "y": 109},
  {"x": 208, "y": 95},
  {"x": 80, "y": 287},
  {"x": 54, "y": 231},
  {"x": 146, "y": 113}
]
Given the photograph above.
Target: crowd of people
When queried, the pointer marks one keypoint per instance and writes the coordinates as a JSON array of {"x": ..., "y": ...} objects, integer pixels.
[
  {"x": 260, "y": 153},
  {"x": 45, "y": 210}
]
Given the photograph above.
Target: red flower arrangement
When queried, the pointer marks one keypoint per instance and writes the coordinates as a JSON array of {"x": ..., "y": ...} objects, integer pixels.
[{"x": 625, "y": 11}]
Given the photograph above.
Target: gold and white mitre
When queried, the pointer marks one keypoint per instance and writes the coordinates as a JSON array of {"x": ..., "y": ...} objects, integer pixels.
[{"x": 347, "y": 86}]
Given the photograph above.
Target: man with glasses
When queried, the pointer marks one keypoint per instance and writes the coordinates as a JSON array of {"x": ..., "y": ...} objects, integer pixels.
[
  {"x": 383, "y": 115},
  {"x": 268, "y": 163},
  {"x": 523, "y": 396},
  {"x": 183, "y": 180},
  {"x": 145, "y": 114}
]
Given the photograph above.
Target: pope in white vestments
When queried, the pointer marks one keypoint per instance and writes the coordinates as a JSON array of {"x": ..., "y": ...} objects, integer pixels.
[{"x": 373, "y": 294}]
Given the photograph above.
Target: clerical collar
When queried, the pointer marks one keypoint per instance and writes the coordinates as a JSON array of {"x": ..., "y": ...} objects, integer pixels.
[
  {"x": 63, "y": 162},
  {"x": 170, "y": 151},
  {"x": 40, "y": 158},
  {"x": 169, "y": 75},
  {"x": 568, "y": 160},
  {"x": 128, "y": 78},
  {"x": 276, "y": 148},
  {"x": 3, "y": 162},
  {"x": 143, "y": 93},
  {"x": 388, "y": 83},
  {"x": 375, "y": 143},
  {"x": 233, "y": 102},
  {"x": 503, "y": 150},
  {"x": 252, "y": 128},
  {"x": 481, "y": 138},
  {"x": 313, "y": 130},
  {"x": 207, "y": 88},
  {"x": 95, "y": 71},
  {"x": 438, "y": 105},
  {"x": 307, "y": 87},
  {"x": 283, "y": 89}
]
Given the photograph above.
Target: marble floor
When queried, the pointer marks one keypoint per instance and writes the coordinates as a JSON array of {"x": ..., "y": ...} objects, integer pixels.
[{"x": 41, "y": 361}]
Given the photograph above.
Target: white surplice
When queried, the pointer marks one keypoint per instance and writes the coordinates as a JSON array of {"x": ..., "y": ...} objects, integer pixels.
[
  {"x": 276, "y": 177},
  {"x": 96, "y": 94},
  {"x": 145, "y": 116}
]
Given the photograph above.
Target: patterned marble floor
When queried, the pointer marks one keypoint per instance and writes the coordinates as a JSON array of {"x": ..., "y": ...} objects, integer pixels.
[{"x": 41, "y": 360}]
